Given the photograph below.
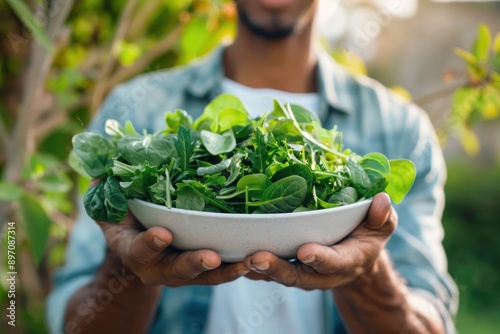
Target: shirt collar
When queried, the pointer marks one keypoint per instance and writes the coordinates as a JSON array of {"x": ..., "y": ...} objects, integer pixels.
[{"x": 334, "y": 83}]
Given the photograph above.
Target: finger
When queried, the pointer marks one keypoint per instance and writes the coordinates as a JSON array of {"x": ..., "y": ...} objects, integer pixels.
[
  {"x": 350, "y": 256},
  {"x": 148, "y": 245},
  {"x": 277, "y": 269},
  {"x": 255, "y": 276},
  {"x": 223, "y": 274},
  {"x": 190, "y": 264},
  {"x": 380, "y": 211}
]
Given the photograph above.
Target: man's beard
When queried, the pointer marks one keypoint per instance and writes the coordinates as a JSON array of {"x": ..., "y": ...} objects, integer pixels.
[{"x": 276, "y": 32}]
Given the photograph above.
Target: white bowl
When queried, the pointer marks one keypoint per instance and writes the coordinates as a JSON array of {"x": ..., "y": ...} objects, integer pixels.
[{"x": 235, "y": 236}]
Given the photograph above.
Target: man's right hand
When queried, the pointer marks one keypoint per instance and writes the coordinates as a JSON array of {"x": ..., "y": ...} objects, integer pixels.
[{"x": 147, "y": 254}]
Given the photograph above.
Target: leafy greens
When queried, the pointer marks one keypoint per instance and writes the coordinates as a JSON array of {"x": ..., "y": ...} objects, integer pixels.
[{"x": 224, "y": 161}]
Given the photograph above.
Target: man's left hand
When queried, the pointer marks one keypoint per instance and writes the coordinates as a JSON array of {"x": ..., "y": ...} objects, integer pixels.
[{"x": 323, "y": 267}]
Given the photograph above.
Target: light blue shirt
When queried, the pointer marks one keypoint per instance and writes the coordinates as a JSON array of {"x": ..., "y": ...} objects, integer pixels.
[
  {"x": 371, "y": 119},
  {"x": 246, "y": 306}
]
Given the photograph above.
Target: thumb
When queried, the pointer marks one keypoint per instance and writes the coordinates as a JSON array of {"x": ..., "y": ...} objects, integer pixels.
[{"x": 381, "y": 212}]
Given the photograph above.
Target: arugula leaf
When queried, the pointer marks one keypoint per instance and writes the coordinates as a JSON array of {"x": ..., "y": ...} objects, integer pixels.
[
  {"x": 184, "y": 146},
  {"x": 223, "y": 165}
]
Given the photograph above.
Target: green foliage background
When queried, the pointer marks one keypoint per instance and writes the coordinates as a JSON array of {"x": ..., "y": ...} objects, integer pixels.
[{"x": 104, "y": 43}]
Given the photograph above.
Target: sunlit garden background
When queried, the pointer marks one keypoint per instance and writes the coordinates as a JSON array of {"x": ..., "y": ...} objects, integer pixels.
[{"x": 59, "y": 59}]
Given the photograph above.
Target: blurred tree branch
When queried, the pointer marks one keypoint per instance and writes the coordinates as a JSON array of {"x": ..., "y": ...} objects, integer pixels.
[
  {"x": 123, "y": 25},
  {"x": 160, "y": 48}
]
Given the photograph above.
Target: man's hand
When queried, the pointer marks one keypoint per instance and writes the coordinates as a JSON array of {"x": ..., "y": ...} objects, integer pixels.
[
  {"x": 147, "y": 254},
  {"x": 322, "y": 267}
]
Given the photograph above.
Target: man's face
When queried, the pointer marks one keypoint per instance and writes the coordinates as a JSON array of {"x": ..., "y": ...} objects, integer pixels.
[{"x": 276, "y": 19}]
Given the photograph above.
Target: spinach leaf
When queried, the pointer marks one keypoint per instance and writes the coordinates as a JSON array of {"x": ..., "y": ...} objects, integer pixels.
[
  {"x": 403, "y": 173},
  {"x": 344, "y": 196},
  {"x": 105, "y": 202},
  {"x": 115, "y": 201},
  {"x": 207, "y": 194},
  {"x": 95, "y": 153},
  {"x": 217, "y": 144},
  {"x": 298, "y": 169},
  {"x": 378, "y": 170},
  {"x": 282, "y": 196},
  {"x": 358, "y": 176},
  {"x": 156, "y": 150},
  {"x": 255, "y": 184},
  {"x": 189, "y": 199}
]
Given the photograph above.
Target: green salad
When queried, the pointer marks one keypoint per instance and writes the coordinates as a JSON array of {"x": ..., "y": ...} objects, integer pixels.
[{"x": 225, "y": 161}]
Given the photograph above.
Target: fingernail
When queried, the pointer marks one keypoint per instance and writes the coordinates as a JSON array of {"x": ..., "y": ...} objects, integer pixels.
[
  {"x": 243, "y": 272},
  {"x": 159, "y": 242},
  {"x": 206, "y": 267},
  {"x": 262, "y": 266},
  {"x": 308, "y": 260}
]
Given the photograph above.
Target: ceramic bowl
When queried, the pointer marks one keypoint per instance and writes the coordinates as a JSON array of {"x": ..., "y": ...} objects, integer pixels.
[{"x": 235, "y": 236}]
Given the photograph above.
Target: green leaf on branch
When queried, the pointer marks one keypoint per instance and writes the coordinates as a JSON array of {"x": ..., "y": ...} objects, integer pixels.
[
  {"x": 36, "y": 222},
  {"x": 481, "y": 47},
  {"x": 10, "y": 191},
  {"x": 476, "y": 70}
]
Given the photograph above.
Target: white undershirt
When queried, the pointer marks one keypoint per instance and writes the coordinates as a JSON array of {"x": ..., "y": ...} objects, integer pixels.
[{"x": 258, "y": 307}]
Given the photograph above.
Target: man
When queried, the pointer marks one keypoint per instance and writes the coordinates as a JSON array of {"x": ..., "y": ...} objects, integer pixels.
[{"x": 388, "y": 276}]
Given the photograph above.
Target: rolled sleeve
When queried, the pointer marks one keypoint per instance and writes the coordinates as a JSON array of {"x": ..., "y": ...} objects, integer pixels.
[
  {"x": 416, "y": 246},
  {"x": 84, "y": 255}
]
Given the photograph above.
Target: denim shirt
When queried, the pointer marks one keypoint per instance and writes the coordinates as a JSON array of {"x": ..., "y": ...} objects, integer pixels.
[{"x": 371, "y": 119}]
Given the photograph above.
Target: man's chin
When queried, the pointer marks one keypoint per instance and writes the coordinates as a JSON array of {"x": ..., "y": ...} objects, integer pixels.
[{"x": 275, "y": 32}]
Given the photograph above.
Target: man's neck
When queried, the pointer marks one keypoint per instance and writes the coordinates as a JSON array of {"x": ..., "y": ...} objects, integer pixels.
[{"x": 287, "y": 65}]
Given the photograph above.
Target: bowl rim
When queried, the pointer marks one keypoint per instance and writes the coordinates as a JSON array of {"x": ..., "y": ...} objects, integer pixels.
[{"x": 252, "y": 215}]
